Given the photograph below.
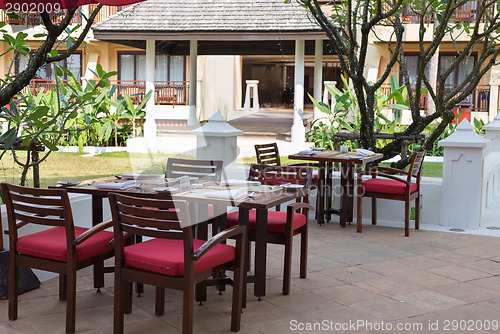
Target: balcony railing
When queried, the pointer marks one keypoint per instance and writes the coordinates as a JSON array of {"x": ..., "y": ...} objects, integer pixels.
[
  {"x": 480, "y": 97},
  {"x": 172, "y": 92},
  {"x": 166, "y": 92},
  {"x": 467, "y": 12},
  {"x": 33, "y": 19}
]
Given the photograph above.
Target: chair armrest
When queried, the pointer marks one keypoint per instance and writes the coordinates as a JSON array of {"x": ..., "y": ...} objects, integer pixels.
[
  {"x": 392, "y": 177},
  {"x": 300, "y": 205},
  {"x": 390, "y": 170},
  {"x": 217, "y": 239},
  {"x": 93, "y": 231},
  {"x": 125, "y": 236}
]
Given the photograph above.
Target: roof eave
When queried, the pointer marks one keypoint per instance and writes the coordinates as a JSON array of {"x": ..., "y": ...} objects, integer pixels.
[{"x": 210, "y": 35}]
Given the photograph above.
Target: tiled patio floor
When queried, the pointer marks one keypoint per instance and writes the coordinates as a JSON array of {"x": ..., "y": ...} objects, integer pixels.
[{"x": 377, "y": 276}]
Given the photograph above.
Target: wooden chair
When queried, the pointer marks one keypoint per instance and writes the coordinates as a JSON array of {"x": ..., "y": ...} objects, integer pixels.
[
  {"x": 203, "y": 169},
  {"x": 63, "y": 248},
  {"x": 392, "y": 187},
  {"x": 283, "y": 226},
  {"x": 172, "y": 259}
]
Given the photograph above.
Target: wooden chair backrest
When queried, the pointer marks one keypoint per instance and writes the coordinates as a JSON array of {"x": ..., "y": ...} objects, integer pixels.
[
  {"x": 166, "y": 219},
  {"x": 278, "y": 175},
  {"x": 417, "y": 162},
  {"x": 46, "y": 207},
  {"x": 203, "y": 169},
  {"x": 268, "y": 154}
]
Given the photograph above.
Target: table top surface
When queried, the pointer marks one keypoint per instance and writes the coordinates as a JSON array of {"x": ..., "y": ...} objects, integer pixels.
[
  {"x": 265, "y": 197},
  {"x": 336, "y": 156}
]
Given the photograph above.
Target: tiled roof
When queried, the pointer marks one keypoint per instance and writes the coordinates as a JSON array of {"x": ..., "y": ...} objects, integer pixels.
[{"x": 210, "y": 16}]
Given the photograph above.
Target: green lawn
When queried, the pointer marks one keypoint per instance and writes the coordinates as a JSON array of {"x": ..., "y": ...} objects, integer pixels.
[
  {"x": 73, "y": 166},
  {"x": 430, "y": 169}
]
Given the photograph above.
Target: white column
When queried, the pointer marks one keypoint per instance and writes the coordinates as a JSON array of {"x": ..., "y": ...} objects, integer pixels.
[
  {"x": 193, "y": 74},
  {"x": 493, "y": 107},
  {"x": 318, "y": 76},
  {"x": 328, "y": 98},
  {"x": 150, "y": 123},
  {"x": 462, "y": 177},
  {"x": 298, "y": 130}
]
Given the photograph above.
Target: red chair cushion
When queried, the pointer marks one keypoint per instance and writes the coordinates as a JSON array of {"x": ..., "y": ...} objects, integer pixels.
[
  {"x": 51, "y": 244},
  {"x": 166, "y": 256},
  {"x": 388, "y": 186},
  {"x": 276, "y": 220}
]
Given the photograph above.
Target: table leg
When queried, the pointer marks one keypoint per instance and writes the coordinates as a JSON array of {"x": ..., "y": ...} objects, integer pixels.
[
  {"x": 321, "y": 193},
  {"x": 202, "y": 234},
  {"x": 243, "y": 220},
  {"x": 329, "y": 190},
  {"x": 344, "y": 202},
  {"x": 97, "y": 219},
  {"x": 260, "y": 253},
  {"x": 350, "y": 192}
]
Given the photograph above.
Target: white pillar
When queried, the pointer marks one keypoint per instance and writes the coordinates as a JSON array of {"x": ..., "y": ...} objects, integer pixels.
[
  {"x": 462, "y": 177},
  {"x": 252, "y": 91},
  {"x": 318, "y": 76},
  {"x": 327, "y": 97},
  {"x": 298, "y": 130},
  {"x": 150, "y": 123},
  {"x": 492, "y": 133},
  {"x": 493, "y": 104},
  {"x": 193, "y": 74}
]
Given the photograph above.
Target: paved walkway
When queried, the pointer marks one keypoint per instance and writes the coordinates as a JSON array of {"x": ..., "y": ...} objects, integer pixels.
[{"x": 378, "y": 277}]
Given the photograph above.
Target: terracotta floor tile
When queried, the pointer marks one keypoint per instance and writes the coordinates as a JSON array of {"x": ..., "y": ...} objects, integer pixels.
[{"x": 459, "y": 273}]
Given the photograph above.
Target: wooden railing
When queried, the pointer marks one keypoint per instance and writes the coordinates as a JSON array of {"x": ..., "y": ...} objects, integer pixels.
[
  {"x": 166, "y": 92},
  {"x": 33, "y": 19},
  {"x": 480, "y": 97},
  {"x": 136, "y": 89},
  {"x": 105, "y": 12},
  {"x": 467, "y": 12},
  {"x": 172, "y": 92}
]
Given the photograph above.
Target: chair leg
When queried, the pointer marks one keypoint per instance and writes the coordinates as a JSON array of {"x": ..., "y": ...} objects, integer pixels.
[
  {"x": 417, "y": 212},
  {"x": 407, "y": 217},
  {"x": 187, "y": 309},
  {"x": 99, "y": 274},
  {"x": 160, "y": 301},
  {"x": 71, "y": 300},
  {"x": 118, "y": 311},
  {"x": 303, "y": 251},
  {"x": 288, "y": 264},
  {"x": 374, "y": 211},
  {"x": 237, "y": 302},
  {"x": 129, "y": 288},
  {"x": 13, "y": 288},
  {"x": 63, "y": 282},
  {"x": 359, "y": 213}
]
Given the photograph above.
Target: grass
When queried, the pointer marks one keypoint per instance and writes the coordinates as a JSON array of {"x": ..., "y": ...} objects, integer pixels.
[
  {"x": 75, "y": 166},
  {"x": 430, "y": 169}
]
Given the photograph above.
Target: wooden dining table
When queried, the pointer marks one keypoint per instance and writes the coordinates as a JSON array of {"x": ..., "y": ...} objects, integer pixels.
[
  {"x": 261, "y": 202},
  {"x": 348, "y": 162}
]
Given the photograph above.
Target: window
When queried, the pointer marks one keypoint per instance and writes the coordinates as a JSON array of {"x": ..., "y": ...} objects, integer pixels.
[
  {"x": 47, "y": 71},
  {"x": 132, "y": 67},
  {"x": 458, "y": 75}
]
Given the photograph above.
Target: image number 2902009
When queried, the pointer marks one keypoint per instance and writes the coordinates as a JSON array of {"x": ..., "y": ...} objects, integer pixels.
[{"x": 33, "y": 8}]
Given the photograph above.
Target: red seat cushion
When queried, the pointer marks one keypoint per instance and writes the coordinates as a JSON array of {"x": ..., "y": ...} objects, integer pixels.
[
  {"x": 51, "y": 244},
  {"x": 276, "y": 220},
  {"x": 388, "y": 186},
  {"x": 166, "y": 256}
]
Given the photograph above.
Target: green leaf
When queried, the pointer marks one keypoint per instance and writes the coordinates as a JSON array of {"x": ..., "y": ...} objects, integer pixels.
[
  {"x": 398, "y": 106},
  {"x": 59, "y": 71},
  {"x": 53, "y": 53},
  {"x": 49, "y": 145},
  {"x": 9, "y": 137}
]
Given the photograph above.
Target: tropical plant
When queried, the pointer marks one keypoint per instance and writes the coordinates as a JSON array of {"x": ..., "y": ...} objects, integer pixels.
[{"x": 135, "y": 114}]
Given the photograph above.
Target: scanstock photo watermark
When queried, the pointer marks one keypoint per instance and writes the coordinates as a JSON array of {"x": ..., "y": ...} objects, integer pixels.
[{"x": 382, "y": 326}]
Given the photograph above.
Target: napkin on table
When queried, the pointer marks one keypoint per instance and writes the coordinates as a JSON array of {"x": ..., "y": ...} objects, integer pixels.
[
  {"x": 240, "y": 183},
  {"x": 232, "y": 194},
  {"x": 364, "y": 153},
  {"x": 117, "y": 186}
]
